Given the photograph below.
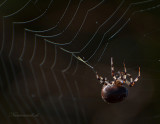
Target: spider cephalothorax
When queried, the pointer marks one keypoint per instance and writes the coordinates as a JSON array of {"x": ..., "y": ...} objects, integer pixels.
[{"x": 114, "y": 91}]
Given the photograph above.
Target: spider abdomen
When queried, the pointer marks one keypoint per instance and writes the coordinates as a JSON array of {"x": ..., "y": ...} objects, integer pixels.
[{"x": 113, "y": 93}]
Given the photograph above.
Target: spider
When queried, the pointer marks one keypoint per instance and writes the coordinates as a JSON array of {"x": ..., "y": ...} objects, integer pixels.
[{"x": 114, "y": 91}]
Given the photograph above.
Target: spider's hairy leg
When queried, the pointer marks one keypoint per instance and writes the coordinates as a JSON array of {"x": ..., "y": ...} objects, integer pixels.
[
  {"x": 101, "y": 79},
  {"x": 131, "y": 83},
  {"x": 120, "y": 78},
  {"x": 135, "y": 80},
  {"x": 125, "y": 73},
  {"x": 128, "y": 83},
  {"x": 98, "y": 77},
  {"x": 112, "y": 69}
]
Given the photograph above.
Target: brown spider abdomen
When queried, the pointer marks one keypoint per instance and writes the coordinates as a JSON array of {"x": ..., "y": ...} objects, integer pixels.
[{"x": 113, "y": 93}]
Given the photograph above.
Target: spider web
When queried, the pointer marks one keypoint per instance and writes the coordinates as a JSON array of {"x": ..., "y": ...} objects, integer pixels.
[{"x": 51, "y": 49}]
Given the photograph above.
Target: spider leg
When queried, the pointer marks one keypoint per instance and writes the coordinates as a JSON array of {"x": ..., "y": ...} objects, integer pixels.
[
  {"x": 101, "y": 79},
  {"x": 125, "y": 73},
  {"x": 135, "y": 80},
  {"x": 112, "y": 69},
  {"x": 131, "y": 83},
  {"x": 127, "y": 82},
  {"x": 120, "y": 78}
]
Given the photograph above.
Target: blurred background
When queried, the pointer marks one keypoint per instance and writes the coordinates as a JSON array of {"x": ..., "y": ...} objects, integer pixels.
[{"x": 42, "y": 81}]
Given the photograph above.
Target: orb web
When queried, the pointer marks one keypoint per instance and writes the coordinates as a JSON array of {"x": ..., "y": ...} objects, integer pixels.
[{"x": 50, "y": 48}]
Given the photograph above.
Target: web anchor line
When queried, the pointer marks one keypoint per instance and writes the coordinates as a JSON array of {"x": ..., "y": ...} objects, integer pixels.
[{"x": 79, "y": 58}]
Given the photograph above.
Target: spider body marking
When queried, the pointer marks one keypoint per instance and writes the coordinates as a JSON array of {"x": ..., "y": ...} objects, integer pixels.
[{"x": 114, "y": 91}]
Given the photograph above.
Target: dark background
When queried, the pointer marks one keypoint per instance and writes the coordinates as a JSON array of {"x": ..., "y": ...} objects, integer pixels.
[{"x": 43, "y": 82}]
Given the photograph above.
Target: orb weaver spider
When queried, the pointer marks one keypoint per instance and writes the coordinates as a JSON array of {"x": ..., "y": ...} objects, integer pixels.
[{"x": 114, "y": 91}]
